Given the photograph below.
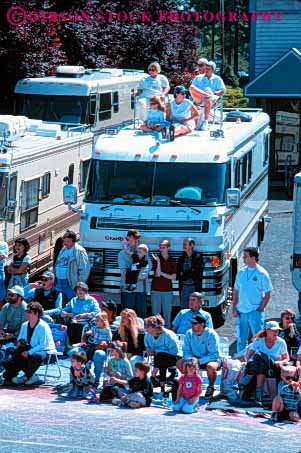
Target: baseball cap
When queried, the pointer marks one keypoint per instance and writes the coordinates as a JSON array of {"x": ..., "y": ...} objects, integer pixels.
[
  {"x": 272, "y": 325},
  {"x": 48, "y": 274},
  {"x": 212, "y": 64},
  {"x": 180, "y": 89},
  {"x": 202, "y": 60},
  {"x": 198, "y": 319},
  {"x": 17, "y": 290}
]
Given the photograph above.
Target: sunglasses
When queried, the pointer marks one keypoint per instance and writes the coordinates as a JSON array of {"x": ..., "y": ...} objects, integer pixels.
[
  {"x": 44, "y": 279},
  {"x": 154, "y": 103},
  {"x": 289, "y": 317},
  {"x": 152, "y": 70},
  {"x": 29, "y": 311},
  {"x": 202, "y": 64}
]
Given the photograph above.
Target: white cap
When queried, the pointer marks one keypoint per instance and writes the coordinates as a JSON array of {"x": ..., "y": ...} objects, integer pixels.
[
  {"x": 17, "y": 290},
  {"x": 202, "y": 60}
]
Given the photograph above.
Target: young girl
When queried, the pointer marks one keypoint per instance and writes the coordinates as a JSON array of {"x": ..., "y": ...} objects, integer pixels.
[
  {"x": 20, "y": 264},
  {"x": 190, "y": 388},
  {"x": 155, "y": 116}
]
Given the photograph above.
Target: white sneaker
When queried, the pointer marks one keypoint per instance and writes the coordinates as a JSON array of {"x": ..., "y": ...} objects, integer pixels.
[
  {"x": 32, "y": 380},
  {"x": 19, "y": 379},
  {"x": 205, "y": 126}
]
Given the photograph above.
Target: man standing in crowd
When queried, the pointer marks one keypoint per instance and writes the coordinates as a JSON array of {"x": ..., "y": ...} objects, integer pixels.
[
  {"x": 50, "y": 298},
  {"x": 3, "y": 257},
  {"x": 182, "y": 321},
  {"x": 72, "y": 265},
  {"x": 13, "y": 313},
  {"x": 135, "y": 299},
  {"x": 252, "y": 292},
  {"x": 165, "y": 269},
  {"x": 189, "y": 271},
  {"x": 202, "y": 343},
  {"x": 207, "y": 88}
]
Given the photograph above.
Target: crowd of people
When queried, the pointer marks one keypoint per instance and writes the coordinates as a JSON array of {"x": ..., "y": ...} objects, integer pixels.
[
  {"x": 181, "y": 115},
  {"x": 121, "y": 358}
]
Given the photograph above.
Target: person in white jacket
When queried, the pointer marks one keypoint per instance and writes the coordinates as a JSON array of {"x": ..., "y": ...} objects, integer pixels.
[{"x": 37, "y": 342}]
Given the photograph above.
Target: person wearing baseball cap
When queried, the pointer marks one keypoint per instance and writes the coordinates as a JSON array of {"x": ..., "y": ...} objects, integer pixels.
[
  {"x": 201, "y": 67},
  {"x": 48, "y": 296},
  {"x": 202, "y": 343},
  {"x": 268, "y": 345},
  {"x": 181, "y": 112},
  {"x": 13, "y": 313},
  {"x": 206, "y": 89}
]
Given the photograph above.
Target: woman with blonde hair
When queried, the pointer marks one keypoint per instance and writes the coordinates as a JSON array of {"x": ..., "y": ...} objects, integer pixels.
[{"x": 130, "y": 335}]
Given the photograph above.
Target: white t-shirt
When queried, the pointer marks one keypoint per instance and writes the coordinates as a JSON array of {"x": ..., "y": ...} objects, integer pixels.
[
  {"x": 251, "y": 283},
  {"x": 215, "y": 83},
  {"x": 61, "y": 265},
  {"x": 275, "y": 352},
  {"x": 180, "y": 112},
  {"x": 153, "y": 86}
]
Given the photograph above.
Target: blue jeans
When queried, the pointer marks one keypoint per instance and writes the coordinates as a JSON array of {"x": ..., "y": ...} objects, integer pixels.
[
  {"x": 21, "y": 280},
  {"x": 253, "y": 320},
  {"x": 135, "y": 301},
  {"x": 187, "y": 290},
  {"x": 184, "y": 406},
  {"x": 2, "y": 286},
  {"x": 99, "y": 359},
  {"x": 63, "y": 286}
]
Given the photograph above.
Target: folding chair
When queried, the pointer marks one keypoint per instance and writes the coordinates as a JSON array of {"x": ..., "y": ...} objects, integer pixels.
[{"x": 50, "y": 354}]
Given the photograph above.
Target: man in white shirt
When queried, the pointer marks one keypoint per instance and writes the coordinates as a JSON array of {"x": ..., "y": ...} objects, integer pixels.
[
  {"x": 207, "y": 88},
  {"x": 252, "y": 292}
]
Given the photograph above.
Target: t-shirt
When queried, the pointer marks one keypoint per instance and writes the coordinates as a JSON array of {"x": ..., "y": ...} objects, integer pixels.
[
  {"x": 13, "y": 317},
  {"x": 154, "y": 116},
  {"x": 190, "y": 385},
  {"x": 101, "y": 334},
  {"x": 251, "y": 283},
  {"x": 61, "y": 265},
  {"x": 215, "y": 83},
  {"x": 153, "y": 86},
  {"x": 168, "y": 266},
  {"x": 275, "y": 352},
  {"x": 181, "y": 111},
  {"x": 182, "y": 321},
  {"x": 143, "y": 386}
]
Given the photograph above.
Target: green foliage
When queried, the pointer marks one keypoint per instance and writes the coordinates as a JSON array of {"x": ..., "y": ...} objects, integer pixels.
[
  {"x": 235, "y": 98},
  {"x": 229, "y": 77}
]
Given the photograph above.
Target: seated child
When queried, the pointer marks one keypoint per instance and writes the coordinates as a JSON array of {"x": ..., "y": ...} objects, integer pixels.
[
  {"x": 81, "y": 377},
  {"x": 139, "y": 262},
  {"x": 140, "y": 389},
  {"x": 155, "y": 116},
  {"x": 287, "y": 405},
  {"x": 190, "y": 388}
]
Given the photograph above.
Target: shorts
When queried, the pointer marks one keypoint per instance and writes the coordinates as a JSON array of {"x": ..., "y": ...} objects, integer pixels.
[{"x": 219, "y": 364}]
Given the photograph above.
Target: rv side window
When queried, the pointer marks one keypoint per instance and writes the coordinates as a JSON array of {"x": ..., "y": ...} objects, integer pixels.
[
  {"x": 71, "y": 173},
  {"x": 45, "y": 185},
  {"x": 132, "y": 99},
  {"x": 237, "y": 175},
  {"x": 83, "y": 173},
  {"x": 29, "y": 203},
  {"x": 250, "y": 165},
  {"x": 105, "y": 107},
  {"x": 244, "y": 170},
  {"x": 12, "y": 196},
  {"x": 115, "y": 102},
  {"x": 92, "y": 111},
  {"x": 266, "y": 149}
]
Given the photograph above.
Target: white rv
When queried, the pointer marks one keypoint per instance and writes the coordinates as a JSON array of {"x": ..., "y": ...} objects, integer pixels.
[
  {"x": 296, "y": 253},
  {"x": 75, "y": 95},
  {"x": 34, "y": 159},
  {"x": 211, "y": 186}
]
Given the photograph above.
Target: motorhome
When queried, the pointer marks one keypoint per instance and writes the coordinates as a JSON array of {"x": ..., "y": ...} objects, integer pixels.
[
  {"x": 34, "y": 159},
  {"x": 75, "y": 95},
  {"x": 296, "y": 251},
  {"x": 208, "y": 185}
]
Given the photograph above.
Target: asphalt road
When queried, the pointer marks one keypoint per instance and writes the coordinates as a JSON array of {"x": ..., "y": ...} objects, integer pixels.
[{"x": 36, "y": 420}]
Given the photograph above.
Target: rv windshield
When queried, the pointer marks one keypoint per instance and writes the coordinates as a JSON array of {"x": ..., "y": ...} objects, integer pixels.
[
  {"x": 162, "y": 184},
  {"x": 63, "y": 109}
]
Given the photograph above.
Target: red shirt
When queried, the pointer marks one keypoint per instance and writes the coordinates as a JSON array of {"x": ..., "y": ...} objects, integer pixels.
[
  {"x": 190, "y": 385},
  {"x": 168, "y": 266}
]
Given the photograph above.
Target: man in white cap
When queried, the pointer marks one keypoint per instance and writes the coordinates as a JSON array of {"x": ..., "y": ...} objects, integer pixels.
[
  {"x": 13, "y": 313},
  {"x": 207, "y": 88},
  {"x": 201, "y": 69},
  {"x": 48, "y": 296}
]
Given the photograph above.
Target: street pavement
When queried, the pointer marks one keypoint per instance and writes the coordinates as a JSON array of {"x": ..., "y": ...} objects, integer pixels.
[{"x": 37, "y": 420}]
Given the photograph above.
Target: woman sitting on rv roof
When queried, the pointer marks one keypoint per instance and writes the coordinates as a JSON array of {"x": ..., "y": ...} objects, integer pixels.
[
  {"x": 155, "y": 116},
  {"x": 181, "y": 112}
]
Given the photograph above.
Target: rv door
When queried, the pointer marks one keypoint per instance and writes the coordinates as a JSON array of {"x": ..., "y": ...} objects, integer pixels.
[{"x": 93, "y": 108}]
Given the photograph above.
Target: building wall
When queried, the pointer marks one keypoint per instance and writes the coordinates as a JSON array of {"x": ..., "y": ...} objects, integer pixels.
[{"x": 270, "y": 40}]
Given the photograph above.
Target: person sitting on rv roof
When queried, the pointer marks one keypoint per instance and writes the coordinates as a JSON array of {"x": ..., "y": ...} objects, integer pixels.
[
  {"x": 49, "y": 297},
  {"x": 155, "y": 116},
  {"x": 201, "y": 69},
  {"x": 79, "y": 310},
  {"x": 3, "y": 257},
  {"x": 155, "y": 84},
  {"x": 182, "y": 321},
  {"x": 181, "y": 112},
  {"x": 207, "y": 88},
  {"x": 20, "y": 265},
  {"x": 72, "y": 265}
]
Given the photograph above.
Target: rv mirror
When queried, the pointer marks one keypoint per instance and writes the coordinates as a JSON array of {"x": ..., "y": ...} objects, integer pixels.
[
  {"x": 232, "y": 198},
  {"x": 11, "y": 205},
  {"x": 70, "y": 194}
]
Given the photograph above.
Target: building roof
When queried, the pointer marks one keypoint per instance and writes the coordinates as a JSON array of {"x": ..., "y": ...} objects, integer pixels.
[{"x": 281, "y": 79}]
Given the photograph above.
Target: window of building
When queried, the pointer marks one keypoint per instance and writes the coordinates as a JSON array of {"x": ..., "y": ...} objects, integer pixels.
[
  {"x": 115, "y": 102},
  {"x": 83, "y": 173},
  {"x": 45, "y": 185},
  {"x": 105, "y": 107},
  {"x": 29, "y": 203}
]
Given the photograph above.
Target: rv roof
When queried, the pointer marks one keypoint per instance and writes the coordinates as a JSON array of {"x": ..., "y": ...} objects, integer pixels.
[
  {"x": 131, "y": 144},
  {"x": 70, "y": 86}
]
